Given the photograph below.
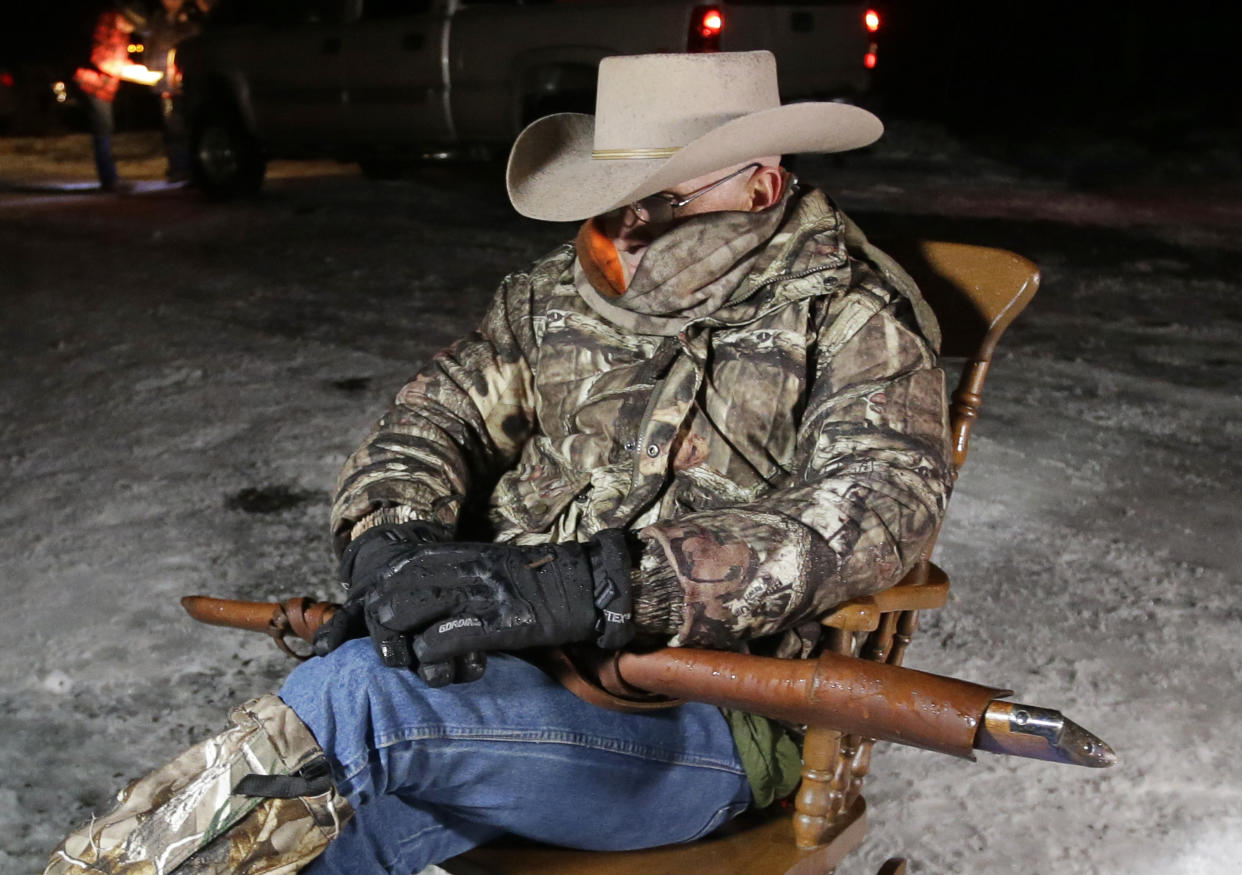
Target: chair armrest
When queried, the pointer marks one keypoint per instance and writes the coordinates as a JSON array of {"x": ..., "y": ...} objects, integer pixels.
[{"x": 863, "y": 614}]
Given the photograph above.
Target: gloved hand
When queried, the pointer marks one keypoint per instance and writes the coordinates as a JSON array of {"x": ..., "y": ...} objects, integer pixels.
[
  {"x": 372, "y": 557},
  {"x": 456, "y": 598}
]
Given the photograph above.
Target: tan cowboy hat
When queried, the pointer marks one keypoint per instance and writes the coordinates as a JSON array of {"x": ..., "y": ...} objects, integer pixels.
[{"x": 663, "y": 119}]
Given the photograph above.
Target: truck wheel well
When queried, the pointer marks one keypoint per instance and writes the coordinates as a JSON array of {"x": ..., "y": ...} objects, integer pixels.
[
  {"x": 550, "y": 88},
  {"x": 218, "y": 96},
  {"x": 226, "y": 159}
]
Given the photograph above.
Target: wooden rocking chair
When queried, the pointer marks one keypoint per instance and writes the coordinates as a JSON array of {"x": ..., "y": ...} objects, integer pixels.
[{"x": 976, "y": 293}]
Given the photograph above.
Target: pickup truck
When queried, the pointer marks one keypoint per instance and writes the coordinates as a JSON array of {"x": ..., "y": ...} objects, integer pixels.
[{"x": 384, "y": 82}]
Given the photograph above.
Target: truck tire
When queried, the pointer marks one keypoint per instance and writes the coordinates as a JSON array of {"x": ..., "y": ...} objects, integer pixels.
[{"x": 226, "y": 159}]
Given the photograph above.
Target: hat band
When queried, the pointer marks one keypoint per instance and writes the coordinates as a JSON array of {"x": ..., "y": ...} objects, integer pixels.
[{"x": 625, "y": 154}]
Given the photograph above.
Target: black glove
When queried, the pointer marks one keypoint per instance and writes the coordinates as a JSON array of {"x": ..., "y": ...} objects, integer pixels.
[
  {"x": 374, "y": 556},
  {"x": 453, "y": 599}
]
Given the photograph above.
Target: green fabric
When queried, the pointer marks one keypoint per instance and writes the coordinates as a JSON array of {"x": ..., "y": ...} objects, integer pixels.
[{"x": 770, "y": 756}]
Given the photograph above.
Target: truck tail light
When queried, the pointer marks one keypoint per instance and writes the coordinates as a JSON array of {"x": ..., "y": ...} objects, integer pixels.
[
  {"x": 706, "y": 24},
  {"x": 871, "y": 21},
  {"x": 7, "y": 80}
]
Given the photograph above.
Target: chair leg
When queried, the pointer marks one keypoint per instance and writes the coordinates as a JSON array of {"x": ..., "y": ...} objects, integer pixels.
[
  {"x": 844, "y": 835},
  {"x": 819, "y": 800},
  {"x": 829, "y": 805},
  {"x": 855, "y": 767}
]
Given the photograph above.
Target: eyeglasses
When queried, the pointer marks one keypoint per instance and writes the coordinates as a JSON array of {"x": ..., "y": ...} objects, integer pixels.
[{"x": 657, "y": 209}]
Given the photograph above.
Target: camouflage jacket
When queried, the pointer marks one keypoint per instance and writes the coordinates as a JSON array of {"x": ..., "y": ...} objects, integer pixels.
[{"x": 778, "y": 448}]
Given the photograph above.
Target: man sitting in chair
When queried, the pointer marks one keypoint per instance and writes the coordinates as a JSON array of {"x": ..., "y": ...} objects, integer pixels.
[{"x": 710, "y": 418}]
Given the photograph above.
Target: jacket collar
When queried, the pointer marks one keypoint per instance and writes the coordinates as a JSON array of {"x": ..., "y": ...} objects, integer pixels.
[
  {"x": 724, "y": 267},
  {"x": 727, "y": 269}
]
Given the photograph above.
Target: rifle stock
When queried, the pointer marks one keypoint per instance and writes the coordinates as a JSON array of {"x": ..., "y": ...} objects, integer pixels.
[
  {"x": 299, "y": 616},
  {"x": 856, "y": 696}
]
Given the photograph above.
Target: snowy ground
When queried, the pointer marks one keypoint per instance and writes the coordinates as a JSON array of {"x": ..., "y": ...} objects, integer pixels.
[{"x": 182, "y": 380}]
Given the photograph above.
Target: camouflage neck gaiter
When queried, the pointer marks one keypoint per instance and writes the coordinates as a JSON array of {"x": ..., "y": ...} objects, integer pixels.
[{"x": 691, "y": 271}]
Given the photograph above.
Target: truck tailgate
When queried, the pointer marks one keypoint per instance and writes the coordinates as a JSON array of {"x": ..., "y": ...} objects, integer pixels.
[{"x": 820, "y": 46}]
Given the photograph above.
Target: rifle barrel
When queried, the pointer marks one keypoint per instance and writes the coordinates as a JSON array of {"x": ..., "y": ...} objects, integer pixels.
[
  {"x": 1042, "y": 734},
  {"x": 869, "y": 699}
]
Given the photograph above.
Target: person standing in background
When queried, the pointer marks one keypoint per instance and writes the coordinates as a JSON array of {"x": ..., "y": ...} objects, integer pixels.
[
  {"x": 99, "y": 80},
  {"x": 172, "y": 22}
]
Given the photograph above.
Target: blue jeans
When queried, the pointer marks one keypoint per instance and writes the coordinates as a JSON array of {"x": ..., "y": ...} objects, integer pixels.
[
  {"x": 432, "y": 773},
  {"x": 99, "y": 115}
]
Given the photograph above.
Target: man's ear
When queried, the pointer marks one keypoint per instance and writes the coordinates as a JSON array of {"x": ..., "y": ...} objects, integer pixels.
[{"x": 765, "y": 187}]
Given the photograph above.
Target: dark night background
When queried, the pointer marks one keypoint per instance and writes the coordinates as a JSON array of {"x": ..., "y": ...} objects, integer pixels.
[{"x": 1165, "y": 76}]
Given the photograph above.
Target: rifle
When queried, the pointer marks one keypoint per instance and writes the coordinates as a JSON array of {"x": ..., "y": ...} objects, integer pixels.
[
  {"x": 856, "y": 696},
  {"x": 298, "y": 616}
]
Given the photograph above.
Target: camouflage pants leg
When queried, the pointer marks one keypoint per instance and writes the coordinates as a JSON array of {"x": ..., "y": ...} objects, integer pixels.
[{"x": 255, "y": 798}]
